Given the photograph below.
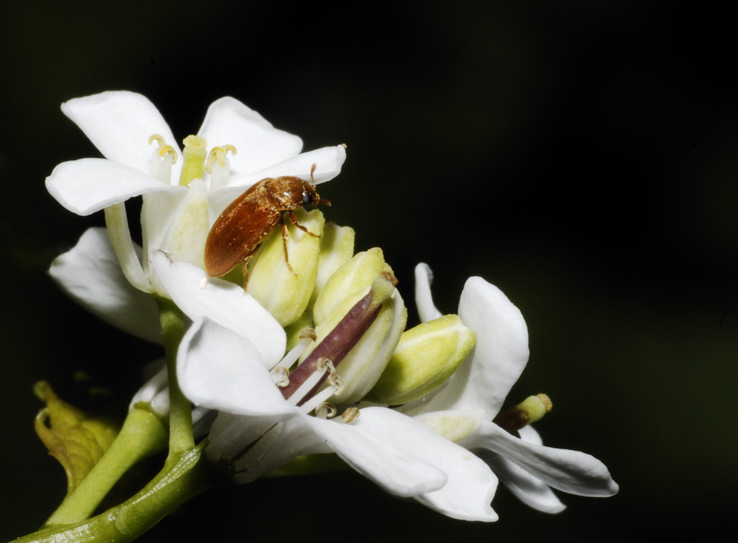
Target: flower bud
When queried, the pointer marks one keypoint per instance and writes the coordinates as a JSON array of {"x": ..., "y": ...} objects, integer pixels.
[
  {"x": 350, "y": 282},
  {"x": 336, "y": 248},
  {"x": 285, "y": 292},
  {"x": 425, "y": 357}
]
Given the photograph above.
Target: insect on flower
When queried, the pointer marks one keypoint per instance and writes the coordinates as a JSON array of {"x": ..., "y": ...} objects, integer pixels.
[{"x": 246, "y": 223}]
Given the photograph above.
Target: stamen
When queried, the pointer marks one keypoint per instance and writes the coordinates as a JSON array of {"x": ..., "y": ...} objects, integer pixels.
[
  {"x": 333, "y": 379},
  {"x": 158, "y": 139},
  {"x": 281, "y": 376},
  {"x": 164, "y": 148},
  {"x": 295, "y": 353},
  {"x": 317, "y": 399},
  {"x": 308, "y": 333},
  {"x": 350, "y": 415},
  {"x": 326, "y": 410},
  {"x": 218, "y": 154},
  {"x": 307, "y": 386}
]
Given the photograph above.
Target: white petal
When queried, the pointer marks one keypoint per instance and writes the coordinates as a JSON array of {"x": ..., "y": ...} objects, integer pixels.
[
  {"x": 470, "y": 484},
  {"x": 374, "y": 447},
  {"x": 219, "y": 369},
  {"x": 119, "y": 124},
  {"x": 528, "y": 489},
  {"x": 91, "y": 275},
  {"x": 225, "y": 303},
  {"x": 427, "y": 311},
  {"x": 90, "y": 184},
  {"x": 571, "y": 471},
  {"x": 258, "y": 143},
  {"x": 499, "y": 356},
  {"x": 258, "y": 445},
  {"x": 328, "y": 161}
]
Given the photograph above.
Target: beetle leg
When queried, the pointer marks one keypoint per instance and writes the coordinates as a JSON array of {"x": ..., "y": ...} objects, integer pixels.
[
  {"x": 284, "y": 244},
  {"x": 293, "y": 218},
  {"x": 245, "y": 268}
]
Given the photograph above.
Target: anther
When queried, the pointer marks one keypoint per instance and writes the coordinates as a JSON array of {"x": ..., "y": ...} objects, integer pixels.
[
  {"x": 325, "y": 364},
  {"x": 281, "y": 376},
  {"x": 218, "y": 154},
  {"x": 158, "y": 139},
  {"x": 164, "y": 148},
  {"x": 350, "y": 415},
  {"x": 326, "y": 410},
  {"x": 308, "y": 333}
]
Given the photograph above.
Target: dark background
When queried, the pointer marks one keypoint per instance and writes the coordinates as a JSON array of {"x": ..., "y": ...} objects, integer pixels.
[{"x": 583, "y": 156}]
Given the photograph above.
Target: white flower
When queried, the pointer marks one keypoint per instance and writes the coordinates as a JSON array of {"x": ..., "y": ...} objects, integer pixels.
[
  {"x": 258, "y": 430},
  {"x": 463, "y": 409},
  {"x": 142, "y": 158}
]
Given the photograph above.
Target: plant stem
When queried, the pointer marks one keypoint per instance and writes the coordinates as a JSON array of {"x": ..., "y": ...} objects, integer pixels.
[
  {"x": 142, "y": 434},
  {"x": 180, "y": 410},
  {"x": 185, "y": 475}
]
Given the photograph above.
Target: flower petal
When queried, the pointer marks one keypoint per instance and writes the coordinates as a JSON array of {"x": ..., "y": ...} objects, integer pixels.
[
  {"x": 499, "y": 356},
  {"x": 119, "y": 124},
  {"x": 257, "y": 445},
  {"x": 90, "y": 274},
  {"x": 470, "y": 484},
  {"x": 219, "y": 369},
  {"x": 225, "y": 303},
  {"x": 373, "y": 446},
  {"x": 571, "y": 471},
  {"x": 258, "y": 143},
  {"x": 327, "y": 160},
  {"x": 90, "y": 184},
  {"x": 528, "y": 489},
  {"x": 427, "y": 311}
]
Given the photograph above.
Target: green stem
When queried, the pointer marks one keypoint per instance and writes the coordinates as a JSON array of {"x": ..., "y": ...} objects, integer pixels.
[
  {"x": 180, "y": 410},
  {"x": 142, "y": 434},
  {"x": 184, "y": 476}
]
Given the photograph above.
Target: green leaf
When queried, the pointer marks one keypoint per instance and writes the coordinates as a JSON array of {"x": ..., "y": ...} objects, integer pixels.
[{"x": 76, "y": 439}]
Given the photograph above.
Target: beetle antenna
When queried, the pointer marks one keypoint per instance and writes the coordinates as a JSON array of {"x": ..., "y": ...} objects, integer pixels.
[{"x": 312, "y": 171}]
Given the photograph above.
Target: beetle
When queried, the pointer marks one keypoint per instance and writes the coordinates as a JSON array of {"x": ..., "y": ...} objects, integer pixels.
[{"x": 245, "y": 224}]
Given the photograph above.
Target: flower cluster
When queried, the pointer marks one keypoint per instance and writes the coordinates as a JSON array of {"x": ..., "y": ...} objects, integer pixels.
[{"x": 311, "y": 355}]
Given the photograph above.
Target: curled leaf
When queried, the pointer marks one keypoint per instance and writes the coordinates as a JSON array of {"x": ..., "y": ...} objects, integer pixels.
[{"x": 76, "y": 439}]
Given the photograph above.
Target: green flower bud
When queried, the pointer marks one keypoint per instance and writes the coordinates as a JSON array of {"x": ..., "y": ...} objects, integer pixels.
[
  {"x": 285, "y": 292},
  {"x": 425, "y": 357},
  {"x": 336, "y": 248},
  {"x": 350, "y": 282}
]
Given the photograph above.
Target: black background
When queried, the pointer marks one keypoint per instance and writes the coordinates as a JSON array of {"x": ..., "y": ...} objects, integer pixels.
[{"x": 583, "y": 156}]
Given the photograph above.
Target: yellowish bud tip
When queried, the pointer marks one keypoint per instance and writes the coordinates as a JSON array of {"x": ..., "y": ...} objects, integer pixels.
[
  {"x": 535, "y": 407},
  {"x": 530, "y": 410}
]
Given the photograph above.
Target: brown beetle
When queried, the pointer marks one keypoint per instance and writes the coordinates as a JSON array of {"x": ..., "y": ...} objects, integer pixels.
[{"x": 246, "y": 223}]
